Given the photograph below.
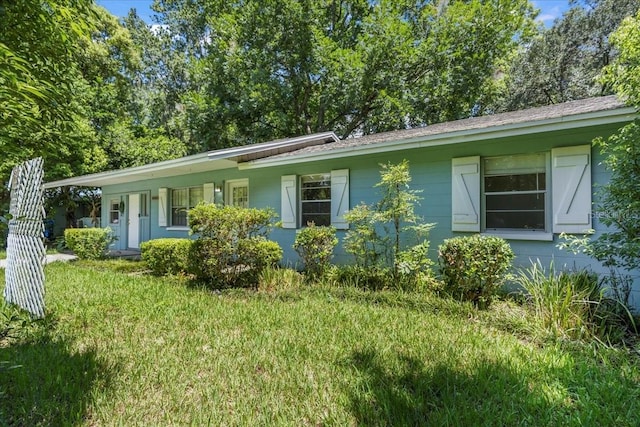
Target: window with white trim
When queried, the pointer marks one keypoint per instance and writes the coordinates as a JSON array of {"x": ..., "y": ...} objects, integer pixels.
[
  {"x": 238, "y": 193},
  {"x": 315, "y": 199},
  {"x": 183, "y": 199},
  {"x": 515, "y": 192},
  {"x": 114, "y": 211},
  {"x": 523, "y": 196},
  {"x": 321, "y": 198}
]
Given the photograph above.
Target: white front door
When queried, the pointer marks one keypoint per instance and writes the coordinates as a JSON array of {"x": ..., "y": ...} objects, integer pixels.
[{"x": 134, "y": 221}]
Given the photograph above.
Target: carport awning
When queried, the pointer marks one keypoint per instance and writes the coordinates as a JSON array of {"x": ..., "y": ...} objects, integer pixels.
[{"x": 203, "y": 162}]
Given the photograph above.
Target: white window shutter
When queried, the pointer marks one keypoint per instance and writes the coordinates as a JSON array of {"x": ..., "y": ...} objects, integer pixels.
[
  {"x": 571, "y": 189},
  {"x": 208, "y": 192},
  {"x": 162, "y": 207},
  {"x": 339, "y": 198},
  {"x": 288, "y": 203},
  {"x": 465, "y": 194}
]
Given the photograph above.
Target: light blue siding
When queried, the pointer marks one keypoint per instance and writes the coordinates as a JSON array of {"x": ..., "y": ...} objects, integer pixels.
[{"x": 430, "y": 171}]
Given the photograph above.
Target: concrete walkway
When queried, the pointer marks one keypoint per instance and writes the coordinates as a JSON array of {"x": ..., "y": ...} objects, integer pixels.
[{"x": 50, "y": 258}]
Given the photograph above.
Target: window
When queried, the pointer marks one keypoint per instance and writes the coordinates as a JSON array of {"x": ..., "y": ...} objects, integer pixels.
[
  {"x": 114, "y": 211},
  {"x": 183, "y": 199},
  {"x": 144, "y": 206},
  {"x": 238, "y": 193},
  {"x": 515, "y": 192},
  {"x": 322, "y": 198},
  {"x": 527, "y": 196},
  {"x": 315, "y": 199}
]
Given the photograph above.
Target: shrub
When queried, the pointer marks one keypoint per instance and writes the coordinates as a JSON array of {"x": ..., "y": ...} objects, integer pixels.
[
  {"x": 225, "y": 264},
  {"x": 362, "y": 240},
  {"x": 166, "y": 256},
  {"x": 473, "y": 267},
  {"x": 88, "y": 243},
  {"x": 389, "y": 234},
  {"x": 315, "y": 246},
  {"x": 232, "y": 248},
  {"x": 229, "y": 222}
]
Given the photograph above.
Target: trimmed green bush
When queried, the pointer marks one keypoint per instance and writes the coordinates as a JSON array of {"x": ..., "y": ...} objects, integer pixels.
[
  {"x": 166, "y": 256},
  {"x": 232, "y": 248},
  {"x": 473, "y": 268},
  {"x": 314, "y": 244},
  {"x": 89, "y": 243}
]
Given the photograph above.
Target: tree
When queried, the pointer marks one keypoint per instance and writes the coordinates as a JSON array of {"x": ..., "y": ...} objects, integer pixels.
[
  {"x": 563, "y": 62},
  {"x": 620, "y": 246},
  {"x": 381, "y": 232},
  {"x": 624, "y": 73},
  {"x": 113, "y": 70},
  {"x": 262, "y": 70},
  {"x": 160, "y": 82},
  {"x": 39, "y": 112}
]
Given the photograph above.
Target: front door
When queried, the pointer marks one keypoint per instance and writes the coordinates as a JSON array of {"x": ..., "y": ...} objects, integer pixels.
[{"x": 133, "y": 230}]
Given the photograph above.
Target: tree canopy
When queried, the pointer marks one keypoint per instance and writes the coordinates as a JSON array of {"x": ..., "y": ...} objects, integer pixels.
[
  {"x": 269, "y": 69},
  {"x": 562, "y": 63},
  {"x": 91, "y": 92},
  {"x": 39, "y": 113}
]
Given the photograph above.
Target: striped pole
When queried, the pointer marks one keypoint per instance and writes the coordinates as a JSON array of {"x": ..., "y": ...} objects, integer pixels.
[{"x": 24, "y": 274}]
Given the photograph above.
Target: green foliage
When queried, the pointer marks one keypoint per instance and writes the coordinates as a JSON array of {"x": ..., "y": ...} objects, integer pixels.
[
  {"x": 89, "y": 243},
  {"x": 40, "y": 84},
  {"x": 315, "y": 246},
  {"x": 374, "y": 278},
  {"x": 232, "y": 248},
  {"x": 224, "y": 264},
  {"x": 473, "y": 267},
  {"x": 13, "y": 323},
  {"x": 563, "y": 62},
  {"x": 619, "y": 207},
  {"x": 381, "y": 233},
  {"x": 275, "y": 279},
  {"x": 313, "y": 353},
  {"x": 230, "y": 223},
  {"x": 279, "y": 68},
  {"x": 623, "y": 74},
  {"x": 166, "y": 256},
  {"x": 574, "y": 304},
  {"x": 362, "y": 240}
]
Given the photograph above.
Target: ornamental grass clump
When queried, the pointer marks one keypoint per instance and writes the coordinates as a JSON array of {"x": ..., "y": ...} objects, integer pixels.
[
  {"x": 575, "y": 305},
  {"x": 473, "y": 268}
]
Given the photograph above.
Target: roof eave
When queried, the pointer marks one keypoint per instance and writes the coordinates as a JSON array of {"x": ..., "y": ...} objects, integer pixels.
[
  {"x": 258, "y": 151},
  {"x": 203, "y": 162},
  {"x": 196, "y": 163},
  {"x": 597, "y": 118}
]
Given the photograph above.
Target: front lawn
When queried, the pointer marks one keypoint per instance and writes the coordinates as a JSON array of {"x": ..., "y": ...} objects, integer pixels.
[{"x": 124, "y": 349}]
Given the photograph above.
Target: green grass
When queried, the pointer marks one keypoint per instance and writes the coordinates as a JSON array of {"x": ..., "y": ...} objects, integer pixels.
[{"x": 123, "y": 349}]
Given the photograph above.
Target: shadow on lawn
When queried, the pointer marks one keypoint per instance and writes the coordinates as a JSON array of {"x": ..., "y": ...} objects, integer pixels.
[
  {"x": 42, "y": 382},
  {"x": 405, "y": 391}
]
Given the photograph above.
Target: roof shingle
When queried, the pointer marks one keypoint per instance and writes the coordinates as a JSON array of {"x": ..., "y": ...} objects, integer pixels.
[{"x": 531, "y": 115}]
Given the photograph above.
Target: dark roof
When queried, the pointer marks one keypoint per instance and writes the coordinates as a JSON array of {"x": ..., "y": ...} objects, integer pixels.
[{"x": 531, "y": 115}]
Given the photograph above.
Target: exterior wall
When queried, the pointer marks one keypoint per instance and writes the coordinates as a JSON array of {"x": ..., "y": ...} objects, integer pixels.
[{"x": 430, "y": 170}]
